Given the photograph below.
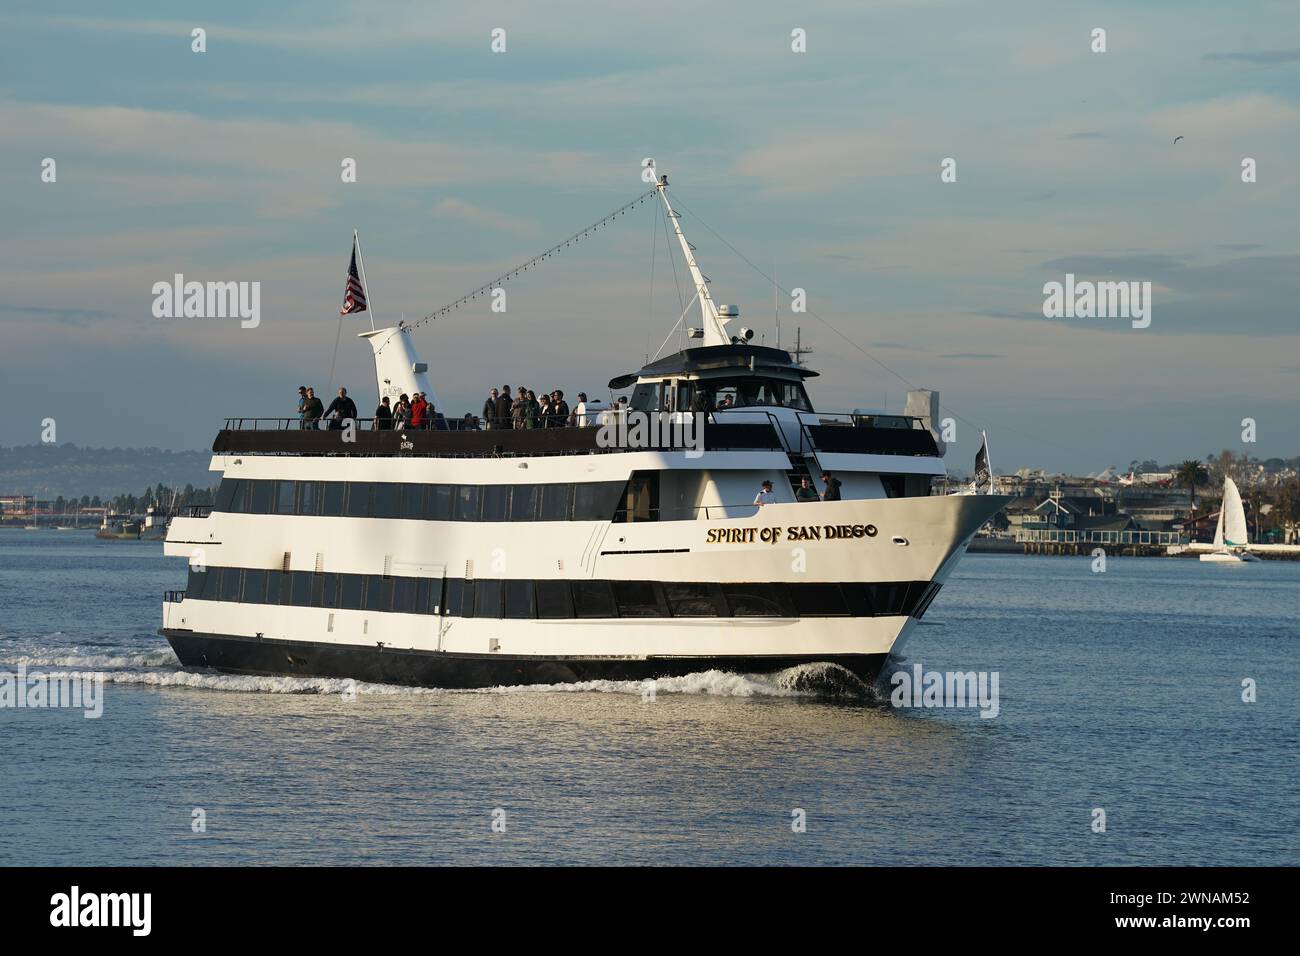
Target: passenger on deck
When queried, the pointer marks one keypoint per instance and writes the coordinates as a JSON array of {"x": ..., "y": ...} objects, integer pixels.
[
  {"x": 577, "y": 417},
  {"x": 543, "y": 411},
  {"x": 532, "y": 411},
  {"x": 806, "y": 491},
  {"x": 469, "y": 423},
  {"x": 340, "y": 410},
  {"x": 383, "y": 416},
  {"x": 504, "y": 404},
  {"x": 559, "y": 411},
  {"x": 832, "y": 492},
  {"x": 437, "y": 421},
  {"x": 314, "y": 411},
  {"x": 419, "y": 411},
  {"x": 402, "y": 413},
  {"x": 489, "y": 409},
  {"x": 765, "y": 496},
  {"x": 302, "y": 406},
  {"x": 519, "y": 409}
]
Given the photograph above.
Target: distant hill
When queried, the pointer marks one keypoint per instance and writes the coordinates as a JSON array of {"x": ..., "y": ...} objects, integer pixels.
[{"x": 52, "y": 470}]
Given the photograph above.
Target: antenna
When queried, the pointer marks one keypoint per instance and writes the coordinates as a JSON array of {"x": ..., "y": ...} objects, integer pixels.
[
  {"x": 799, "y": 351},
  {"x": 776, "y": 307}
]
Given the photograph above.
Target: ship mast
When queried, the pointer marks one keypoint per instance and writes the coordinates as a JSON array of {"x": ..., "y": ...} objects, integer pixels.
[{"x": 715, "y": 332}]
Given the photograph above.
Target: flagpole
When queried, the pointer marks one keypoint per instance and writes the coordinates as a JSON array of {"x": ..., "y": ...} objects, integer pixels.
[{"x": 361, "y": 264}]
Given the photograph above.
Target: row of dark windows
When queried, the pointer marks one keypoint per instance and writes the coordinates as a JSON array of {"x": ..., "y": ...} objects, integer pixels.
[
  {"x": 515, "y": 598},
  {"x": 581, "y": 501}
]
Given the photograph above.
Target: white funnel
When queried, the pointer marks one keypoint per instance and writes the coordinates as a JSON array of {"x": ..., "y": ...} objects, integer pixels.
[{"x": 398, "y": 369}]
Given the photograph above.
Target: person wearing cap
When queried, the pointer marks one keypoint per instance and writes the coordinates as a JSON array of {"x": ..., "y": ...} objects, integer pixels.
[
  {"x": 765, "y": 496},
  {"x": 832, "y": 492}
]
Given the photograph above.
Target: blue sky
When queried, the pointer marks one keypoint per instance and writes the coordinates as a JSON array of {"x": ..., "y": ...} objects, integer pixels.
[{"x": 226, "y": 166}]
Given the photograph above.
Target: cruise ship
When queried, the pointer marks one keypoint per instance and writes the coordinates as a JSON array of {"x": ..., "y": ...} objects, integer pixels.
[{"x": 468, "y": 558}]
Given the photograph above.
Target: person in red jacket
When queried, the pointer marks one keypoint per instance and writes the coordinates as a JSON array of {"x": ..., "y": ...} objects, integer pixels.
[{"x": 419, "y": 411}]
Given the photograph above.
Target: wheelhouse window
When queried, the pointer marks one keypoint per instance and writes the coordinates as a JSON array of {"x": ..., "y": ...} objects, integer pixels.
[{"x": 750, "y": 392}]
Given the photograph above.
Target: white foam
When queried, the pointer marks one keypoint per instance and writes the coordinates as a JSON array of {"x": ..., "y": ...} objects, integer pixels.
[
  {"x": 802, "y": 681},
  {"x": 161, "y": 658}
]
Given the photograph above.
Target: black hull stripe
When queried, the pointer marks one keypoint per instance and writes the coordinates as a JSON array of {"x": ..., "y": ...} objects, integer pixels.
[
  {"x": 559, "y": 599},
  {"x": 415, "y": 668}
]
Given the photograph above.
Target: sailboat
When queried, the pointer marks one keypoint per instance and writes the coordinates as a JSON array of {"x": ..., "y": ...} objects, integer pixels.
[{"x": 1230, "y": 544}]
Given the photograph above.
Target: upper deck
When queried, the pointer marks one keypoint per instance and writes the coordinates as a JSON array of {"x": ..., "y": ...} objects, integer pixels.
[{"x": 742, "y": 429}]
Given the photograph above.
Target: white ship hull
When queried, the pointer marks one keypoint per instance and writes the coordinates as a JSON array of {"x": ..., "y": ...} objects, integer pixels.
[{"x": 916, "y": 544}]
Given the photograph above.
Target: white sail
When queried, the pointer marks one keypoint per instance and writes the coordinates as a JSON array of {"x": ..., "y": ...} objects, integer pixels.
[{"x": 1232, "y": 518}]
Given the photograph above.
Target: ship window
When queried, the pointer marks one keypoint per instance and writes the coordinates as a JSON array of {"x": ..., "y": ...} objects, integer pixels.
[
  {"x": 212, "y": 585},
  {"x": 404, "y": 595},
  {"x": 358, "y": 504},
  {"x": 523, "y": 502},
  {"x": 226, "y": 495},
  {"x": 647, "y": 397},
  {"x": 301, "y": 582},
  {"x": 693, "y": 600},
  {"x": 350, "y": 592},
  {"x": 519, "y": 599},
  {"x": 318, "y": 590},
  {"x": 379, "y": 592},
  {"x": 857, "y": 598},
  {"x": 309, "y": 494},
  {"x": 284, "y": 497},
  {"x": 230, "y": 584},
  {"x": 438, "y": 505},
  {"x": 254, "y": 587},
  {"x": 889, "y": 598},
  {"x": 593, "y": 599},
  {"x": 412, "y": 501},
  {"x": 261, "y": 503},
  {"x": 332, "y": 499},
  {"x": 596, "y": 500},
  {"x": 554, "y": 600},
  {"x": 467, "y": 599},
  {"x": 818, "y": 600},
  {"x": 487, "y": 598},
  {"x": 494, "y": 502},
  {"x": 455, "y": 587},
  {"x": 758, "y": 600},
  {"x": 194, "y": 586},
  {"x": 467, "y": 503},
  {"x": 425, "y": 588},
  {"x": 329, "y": 590},
  {"x": 555, "y": 503},
  {"x": 385, "y": 500},
  {"x": 794, "y": 396},
  {"x": 637, "y": 599},
  {"x": 273, "y": 579}
]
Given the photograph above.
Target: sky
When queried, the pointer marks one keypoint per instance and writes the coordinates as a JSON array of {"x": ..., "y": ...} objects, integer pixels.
[{"x": 821, "y": 167}]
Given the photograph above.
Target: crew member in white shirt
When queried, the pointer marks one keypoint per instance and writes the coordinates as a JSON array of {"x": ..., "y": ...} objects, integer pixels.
[{"x": 765, "y": 496}]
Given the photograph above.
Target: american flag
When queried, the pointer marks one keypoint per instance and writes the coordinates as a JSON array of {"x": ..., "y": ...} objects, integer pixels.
[{"x": 354, "y": 296}]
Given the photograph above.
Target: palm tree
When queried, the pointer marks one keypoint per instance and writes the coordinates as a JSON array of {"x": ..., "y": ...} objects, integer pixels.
[{"x": 1189, "y": 474}]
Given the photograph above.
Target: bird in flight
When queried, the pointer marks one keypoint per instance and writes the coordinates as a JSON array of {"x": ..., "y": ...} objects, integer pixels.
[{"x": 1177, "y": 138}]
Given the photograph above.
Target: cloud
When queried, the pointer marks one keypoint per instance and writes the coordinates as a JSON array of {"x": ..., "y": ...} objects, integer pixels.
[
  {"x": 1261, "y": 58},
  {"x": 462, "y": 211}
]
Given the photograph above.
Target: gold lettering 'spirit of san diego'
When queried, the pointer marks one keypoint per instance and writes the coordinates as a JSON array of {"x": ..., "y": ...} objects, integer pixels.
[{"x": 826, "y": 532}]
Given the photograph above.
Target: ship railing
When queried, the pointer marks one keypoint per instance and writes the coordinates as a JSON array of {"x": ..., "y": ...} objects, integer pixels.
[
  {"x": 192, "y": 511},
  {"x": 874, "y": 439}
]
